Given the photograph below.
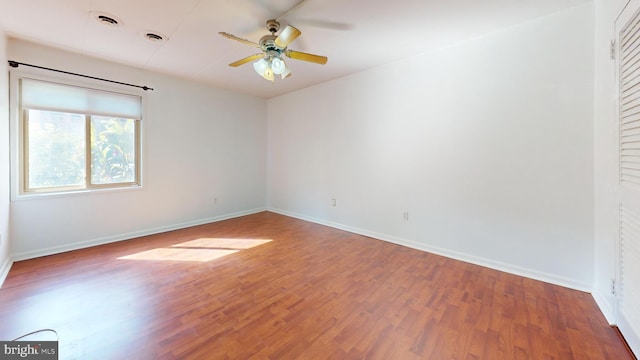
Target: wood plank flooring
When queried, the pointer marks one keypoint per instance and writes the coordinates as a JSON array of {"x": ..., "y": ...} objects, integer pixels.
[{"x": 311, "y": 292}]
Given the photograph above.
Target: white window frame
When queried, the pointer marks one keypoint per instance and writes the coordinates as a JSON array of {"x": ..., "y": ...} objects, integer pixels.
[{"x": 17, "y": 137}]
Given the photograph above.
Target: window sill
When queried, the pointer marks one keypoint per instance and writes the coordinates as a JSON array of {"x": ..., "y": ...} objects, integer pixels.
[{"x": 71, "y": 193}]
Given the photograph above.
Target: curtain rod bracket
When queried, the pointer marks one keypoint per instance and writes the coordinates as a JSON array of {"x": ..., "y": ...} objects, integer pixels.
[{"x": 15, "y": 64}]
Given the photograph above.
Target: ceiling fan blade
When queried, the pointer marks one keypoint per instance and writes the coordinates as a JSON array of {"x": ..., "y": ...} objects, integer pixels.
[
  {"x": 287, "y": 36},
  {"x": 244, "y": 41},
  {"x": 307, "y": 57},
  {"x": 246, "y": 60}
]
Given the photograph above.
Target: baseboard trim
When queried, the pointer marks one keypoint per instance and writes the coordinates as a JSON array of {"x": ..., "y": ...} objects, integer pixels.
[
  {"x": 624, "y": 341},
  {"x": 4, "y": 270},
  {"x": 631, "y": 338},
  {"x": 496, "y": 265},
  {"x": 128, "y": 236},
  {"x": 605, "y": 306}
]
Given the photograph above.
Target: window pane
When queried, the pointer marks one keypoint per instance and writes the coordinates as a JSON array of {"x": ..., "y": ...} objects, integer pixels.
[
  {"x": 56, "y": 150},
  {"x": 113, "y": 150}
]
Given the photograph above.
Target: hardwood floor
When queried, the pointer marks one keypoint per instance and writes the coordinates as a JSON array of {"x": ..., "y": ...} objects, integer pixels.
[{"x": 311, "y": 292}]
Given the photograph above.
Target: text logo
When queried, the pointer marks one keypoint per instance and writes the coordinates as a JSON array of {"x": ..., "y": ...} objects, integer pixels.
[{"x": 30, "y": 350}]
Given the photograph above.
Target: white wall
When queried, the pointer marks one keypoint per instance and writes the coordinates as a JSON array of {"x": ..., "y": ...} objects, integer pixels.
[
  {"x": 605, "y": 157},
  {"x": 5, "y": 261},
  {"x": 487, "y": 144},
  {"x": 200, "y": 144}
]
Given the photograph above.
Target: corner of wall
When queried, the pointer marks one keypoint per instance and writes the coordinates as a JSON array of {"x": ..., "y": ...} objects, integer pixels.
[
  {"x": 5, "y": 241},
  {"x": 604, "y": 304},
  {"x": 4, "y": 269}
]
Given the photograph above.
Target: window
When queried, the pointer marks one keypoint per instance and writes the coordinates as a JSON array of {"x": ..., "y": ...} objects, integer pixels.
[{"x": 77, "y": 138}]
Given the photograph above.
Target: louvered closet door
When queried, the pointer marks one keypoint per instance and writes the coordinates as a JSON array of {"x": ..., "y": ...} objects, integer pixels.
[{"x": 628, "y": 76}]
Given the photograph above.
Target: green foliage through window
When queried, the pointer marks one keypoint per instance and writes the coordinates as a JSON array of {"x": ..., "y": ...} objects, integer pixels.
[
  {"x": 60, "y": 144},
  {"x": 112, "y": 150}
]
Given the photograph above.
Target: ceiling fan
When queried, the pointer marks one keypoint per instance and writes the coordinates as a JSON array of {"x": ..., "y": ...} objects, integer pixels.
[{"x": 270, "y": 61}]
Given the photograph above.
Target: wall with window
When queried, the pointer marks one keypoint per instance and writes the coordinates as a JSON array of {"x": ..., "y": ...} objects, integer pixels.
[
  {"x": 203, "y": 159},
  {"x": 4, "y": 162},
  {"x": 481, "y": 151}
]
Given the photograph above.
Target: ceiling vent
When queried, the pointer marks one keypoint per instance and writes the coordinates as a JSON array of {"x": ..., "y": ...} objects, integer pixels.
[
  {"x": 106, "y": 19},
  {"x": 155, "y": 37}
]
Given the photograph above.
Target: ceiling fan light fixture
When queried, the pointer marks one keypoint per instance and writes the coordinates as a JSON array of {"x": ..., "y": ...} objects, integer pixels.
[
  {"x": 286, "y": 73},
  {"x": 260, "y": 66},
  {"x": 268, "y": 74},
  {"x": 263, "y": 68},
  {"x": 278, "y": 65}
]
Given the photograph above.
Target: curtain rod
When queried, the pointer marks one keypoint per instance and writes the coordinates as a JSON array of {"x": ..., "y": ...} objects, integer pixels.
[{"x": 15, "y": 64}]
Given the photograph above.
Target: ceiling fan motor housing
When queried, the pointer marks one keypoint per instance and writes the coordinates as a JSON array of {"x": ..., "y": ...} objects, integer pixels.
[
  {"x": 267, "y": 43},
  {"x": 273, "y": 26}
]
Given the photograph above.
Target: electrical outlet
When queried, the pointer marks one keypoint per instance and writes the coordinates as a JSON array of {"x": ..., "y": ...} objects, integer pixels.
[
  {"x": 406, "y": 216},
  {"x": 333, "y": 202}
]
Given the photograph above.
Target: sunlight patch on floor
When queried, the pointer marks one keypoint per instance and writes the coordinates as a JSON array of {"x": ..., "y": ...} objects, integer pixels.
[
  {"x": 222, "y": 243},
  {"x": 201, "y": 255},
  {"x": 199, "y": 250}
]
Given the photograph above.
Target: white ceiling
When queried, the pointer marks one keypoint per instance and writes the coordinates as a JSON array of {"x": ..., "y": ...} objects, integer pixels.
[{"x": 354, "y": 34}]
